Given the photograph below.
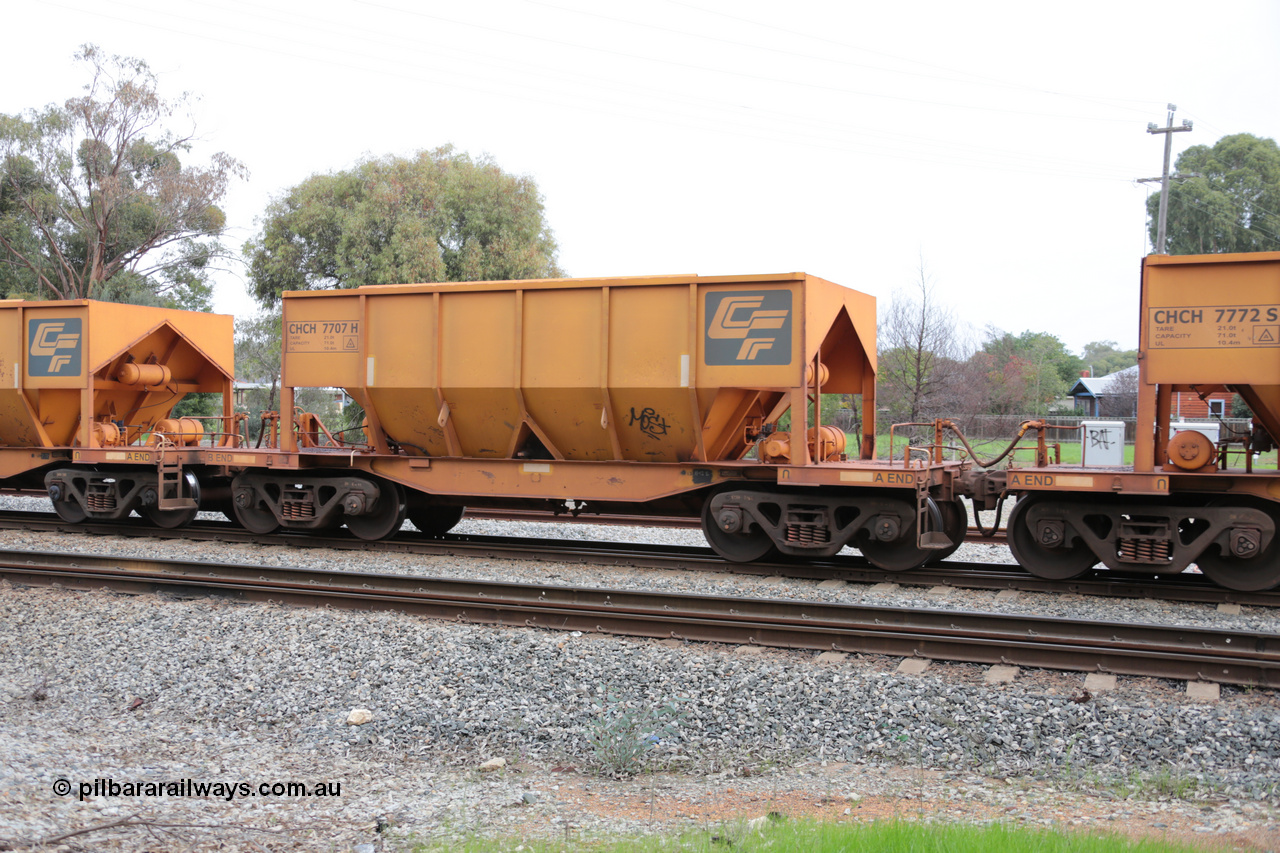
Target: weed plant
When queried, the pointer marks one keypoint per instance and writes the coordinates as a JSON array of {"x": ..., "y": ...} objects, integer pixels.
[{"x": 627, "y": 730}]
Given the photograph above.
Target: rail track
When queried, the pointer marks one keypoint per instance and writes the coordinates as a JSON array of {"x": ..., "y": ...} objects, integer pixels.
[
  {"x": 1187, "y": 587},
  {"x": 973, "y": 534},
  {"x": 1229, "y": 657}
]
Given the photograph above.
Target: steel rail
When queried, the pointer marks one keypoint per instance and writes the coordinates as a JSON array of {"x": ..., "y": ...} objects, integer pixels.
[
  {"x": 1231, "y": 657},
  {"x": 972, "y": 534},
  {"x": 1187, "y": 587}
]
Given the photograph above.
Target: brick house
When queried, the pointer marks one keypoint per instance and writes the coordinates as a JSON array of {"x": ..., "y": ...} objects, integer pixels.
[
  {"x": 1116, "y": 395},
  {"x": 1189, "y": 405}
]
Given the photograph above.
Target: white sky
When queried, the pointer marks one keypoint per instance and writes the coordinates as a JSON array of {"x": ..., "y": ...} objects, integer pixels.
[{"x": 1000, "y": 142}]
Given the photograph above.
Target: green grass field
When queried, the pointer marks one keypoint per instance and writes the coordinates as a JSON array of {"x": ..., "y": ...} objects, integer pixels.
[
  {"x": 1024, "y": 455},
  {"x": 814, "y": 837}
]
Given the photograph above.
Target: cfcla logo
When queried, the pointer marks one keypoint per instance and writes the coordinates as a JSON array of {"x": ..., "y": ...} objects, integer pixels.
[
  {"x": 749, "y": 327},
  {"x": 55, "y": 347}
]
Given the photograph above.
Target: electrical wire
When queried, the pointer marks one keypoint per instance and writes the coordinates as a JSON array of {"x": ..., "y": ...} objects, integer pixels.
[
  {"x": 737, "y": 122},
  {"x": 949, "y": 77},
  {"x": 978, "y": 77}
]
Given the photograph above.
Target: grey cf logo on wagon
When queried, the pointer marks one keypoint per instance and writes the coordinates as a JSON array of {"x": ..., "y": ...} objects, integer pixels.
[
  {"x": 54, "y": 347},
  {"x": 749, "y": 327}
]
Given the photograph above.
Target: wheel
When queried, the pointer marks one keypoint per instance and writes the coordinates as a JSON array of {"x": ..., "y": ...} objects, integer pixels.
[
  {"x": 1249, "y": 575},
  {"x": 739, "y": 547},
  {"x": 175, "y": 518},
  {"x": 169, "y": 519},
  {"x": 1252, "y": 575},
  {"x": 1055, "y": 564},
  {"x": 70, "y": 511},
  {"x": 254, "y": 518},
  {"x": 955, "y": 523},
  {"x": 434, "y": 519},
  {"x": 386, "y": 518},
  {"x": 902, "y": 554}
]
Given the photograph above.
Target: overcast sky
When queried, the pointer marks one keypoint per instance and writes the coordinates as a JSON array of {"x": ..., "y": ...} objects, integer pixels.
[{"x": 1000, "y": 143}]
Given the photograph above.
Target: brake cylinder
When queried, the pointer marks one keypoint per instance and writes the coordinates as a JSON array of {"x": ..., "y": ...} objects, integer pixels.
[
  {"x": 825, "y": 445},
  {"x": 1191, "y": 450}
]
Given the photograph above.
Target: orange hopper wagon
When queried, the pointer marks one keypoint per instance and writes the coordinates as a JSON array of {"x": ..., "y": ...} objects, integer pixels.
[{"x": 661, "y": 395}]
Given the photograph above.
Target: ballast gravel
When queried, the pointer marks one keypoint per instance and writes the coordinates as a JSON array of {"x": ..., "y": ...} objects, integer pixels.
[{"x": 102, "y": 689}]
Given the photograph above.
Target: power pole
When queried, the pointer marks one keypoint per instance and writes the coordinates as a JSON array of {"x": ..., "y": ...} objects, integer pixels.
[{"x": 1168, "y": 130}]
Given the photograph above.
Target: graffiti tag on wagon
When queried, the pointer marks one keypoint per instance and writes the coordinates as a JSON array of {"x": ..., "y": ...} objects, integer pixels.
[{"x": 651, "y": 423}]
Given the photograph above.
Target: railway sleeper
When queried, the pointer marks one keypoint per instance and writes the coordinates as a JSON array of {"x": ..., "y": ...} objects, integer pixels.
[{"x": 1136, "y": 536}]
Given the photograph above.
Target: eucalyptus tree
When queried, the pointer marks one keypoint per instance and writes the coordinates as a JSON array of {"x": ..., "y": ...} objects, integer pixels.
[
  {"x": 1226, "y": 200},
  {"x": 96, "y": 200},
  {"x": 439, "y": 215}
]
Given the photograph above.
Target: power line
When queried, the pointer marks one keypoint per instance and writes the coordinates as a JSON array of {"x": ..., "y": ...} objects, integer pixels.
[
  {"x": 951, "y": 75},
  {"x": 978, "y": 77},
  {"x": 925, "y": 149}
]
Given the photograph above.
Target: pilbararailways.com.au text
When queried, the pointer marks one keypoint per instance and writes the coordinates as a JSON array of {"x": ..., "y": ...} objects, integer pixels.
[{"x": 192, "y": 788}]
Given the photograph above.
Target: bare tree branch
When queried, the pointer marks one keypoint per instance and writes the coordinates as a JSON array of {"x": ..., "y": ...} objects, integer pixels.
[{"x": 920, "y": 345}]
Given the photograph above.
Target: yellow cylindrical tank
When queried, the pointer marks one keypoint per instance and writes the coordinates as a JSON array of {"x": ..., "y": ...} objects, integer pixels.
[
  {"x": 829, "y": 446},
  {"x": 144, "y": 374},
  {"x": 181, "y": 431},
  {"x": 824, "y": 374}
]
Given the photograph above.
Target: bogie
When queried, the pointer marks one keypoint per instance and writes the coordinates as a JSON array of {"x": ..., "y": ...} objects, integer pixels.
[
  {"x": 371, "y": 508},
  {"x": 1233, "y": 540},
  {"x": 745, "y": 523},
  {"x": 91, "y": 494}
]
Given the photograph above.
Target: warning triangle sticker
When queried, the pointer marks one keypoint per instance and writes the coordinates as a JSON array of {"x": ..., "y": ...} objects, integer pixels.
[{"x": 1266, "y": 337}]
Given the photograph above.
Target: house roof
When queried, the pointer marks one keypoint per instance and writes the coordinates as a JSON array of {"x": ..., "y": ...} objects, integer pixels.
[{"x": 1099, "y": 386}]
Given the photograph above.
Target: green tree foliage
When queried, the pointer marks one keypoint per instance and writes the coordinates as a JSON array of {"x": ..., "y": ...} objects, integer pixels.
[
  {"x": 1105, "y": 357},
  {"x": 438, "y": 216},
  {"x": 95, "y": 201},
  {"x": 1027, "y": 373},
  {"x": 1231, "y": 205},
  {"x": 258, "y": 364},
  {"x": 201, "y": 406}
]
